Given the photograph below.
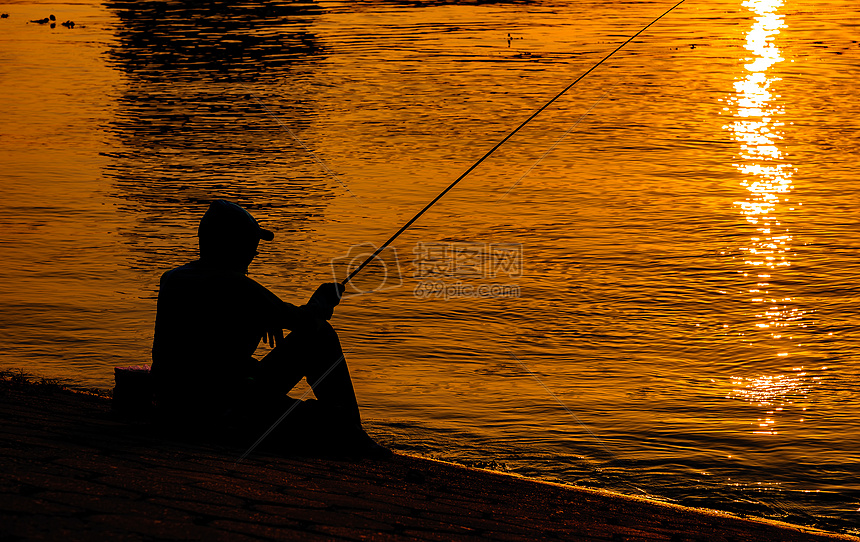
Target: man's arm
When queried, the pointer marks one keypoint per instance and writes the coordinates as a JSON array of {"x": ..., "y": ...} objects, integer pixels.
[
  {"x": 320, "y": 306},
  {"x": 283, "y": 315}
]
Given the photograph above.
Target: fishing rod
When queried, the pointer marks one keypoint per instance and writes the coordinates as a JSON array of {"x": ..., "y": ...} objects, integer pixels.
[{"x": 391, "y": 239}]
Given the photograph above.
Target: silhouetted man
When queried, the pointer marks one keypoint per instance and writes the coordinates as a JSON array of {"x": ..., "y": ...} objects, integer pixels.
[{"x": 210, "y": 319}]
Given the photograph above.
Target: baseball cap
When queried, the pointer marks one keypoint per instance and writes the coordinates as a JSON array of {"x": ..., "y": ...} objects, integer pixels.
[{"x": 226, "y": 219}]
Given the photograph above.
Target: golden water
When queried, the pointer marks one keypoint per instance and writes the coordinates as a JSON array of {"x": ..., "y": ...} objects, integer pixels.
[{"x": 687, "y": 308}]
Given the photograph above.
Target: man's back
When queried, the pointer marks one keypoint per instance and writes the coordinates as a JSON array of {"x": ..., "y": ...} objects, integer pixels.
[{"x": 208, "y": 325}]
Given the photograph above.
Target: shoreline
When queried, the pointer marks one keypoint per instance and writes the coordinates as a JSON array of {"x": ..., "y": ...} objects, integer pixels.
[{"x": 71, "y": 469}]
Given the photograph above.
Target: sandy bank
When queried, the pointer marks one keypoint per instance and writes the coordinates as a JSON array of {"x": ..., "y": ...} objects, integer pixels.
[{"x": 69, "y": 470}]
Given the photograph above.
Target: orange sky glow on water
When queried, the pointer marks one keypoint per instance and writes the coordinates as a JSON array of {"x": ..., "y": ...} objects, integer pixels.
[{"x": 686, "y": 218}]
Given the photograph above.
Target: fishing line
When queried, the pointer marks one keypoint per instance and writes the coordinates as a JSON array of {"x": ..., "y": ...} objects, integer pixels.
[
  {"x": 560, "y": 402},
  {"x": 289, "y": 410},
  {"x": 554, "y": 145},
  {"x": 580, "y": 422},
  {"x": 499, "y": 144}
]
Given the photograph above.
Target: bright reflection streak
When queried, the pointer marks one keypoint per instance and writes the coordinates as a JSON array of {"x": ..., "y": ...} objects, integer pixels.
[
  {"x": 767, "y": 178},
  {"x": 772, "y": 392},
  {"x": 767, "y": 181}
]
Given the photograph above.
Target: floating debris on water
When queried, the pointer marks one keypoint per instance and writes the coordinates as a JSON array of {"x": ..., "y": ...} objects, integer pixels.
[{"x": 51, "y": 18}]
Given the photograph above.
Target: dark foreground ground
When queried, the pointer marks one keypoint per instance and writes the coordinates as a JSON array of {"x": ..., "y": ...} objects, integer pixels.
[{"x": 70, "y": 471}]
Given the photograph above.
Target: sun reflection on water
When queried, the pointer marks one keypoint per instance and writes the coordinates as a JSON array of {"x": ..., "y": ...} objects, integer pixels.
[
  {"x": 767, "y": 178},
  {"x": 773, "y": 393},
  {"x": 766, "y": 175}
]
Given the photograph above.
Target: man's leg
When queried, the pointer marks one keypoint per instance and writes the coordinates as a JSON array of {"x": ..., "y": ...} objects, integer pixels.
[
  {"x": 315, "y": 354},
  {"x": 333, "y": 419}
]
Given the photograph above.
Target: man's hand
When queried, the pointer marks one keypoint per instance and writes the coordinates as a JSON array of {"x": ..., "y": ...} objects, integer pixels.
[{"x": 326, "y": 298}]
